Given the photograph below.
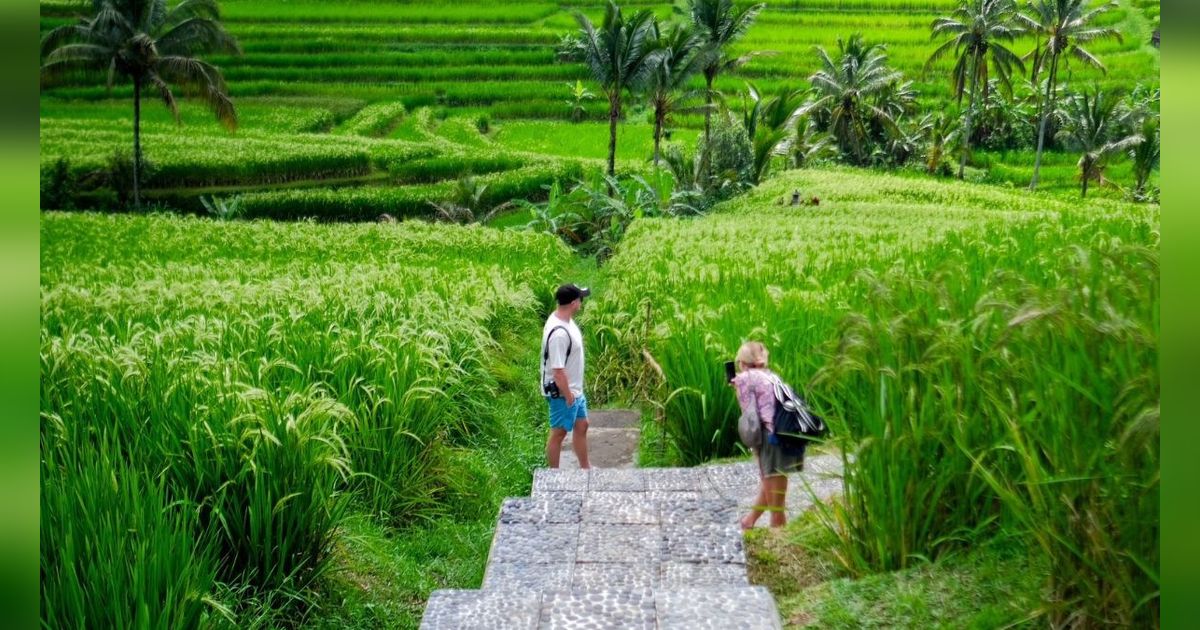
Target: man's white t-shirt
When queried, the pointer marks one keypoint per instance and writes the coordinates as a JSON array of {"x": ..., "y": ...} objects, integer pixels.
[{"x": 558, "y": 342}]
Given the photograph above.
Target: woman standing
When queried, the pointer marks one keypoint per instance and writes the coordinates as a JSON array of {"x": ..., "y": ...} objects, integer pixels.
[{"x": 755, "y": 385}]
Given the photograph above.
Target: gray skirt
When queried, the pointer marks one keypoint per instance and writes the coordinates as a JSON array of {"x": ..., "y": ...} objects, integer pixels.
[{"x": 777, "y": 460}]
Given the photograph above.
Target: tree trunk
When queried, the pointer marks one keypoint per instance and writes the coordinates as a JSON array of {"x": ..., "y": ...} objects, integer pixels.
[
  {"x": 1046, "y": 112},
  {"x": 708, "y": 81},
  {"x": 614, "y": 112},
  {"x": 137, "y": 141},
  {"x": 659, "y": 116},
  {"x": 1087, "y": 170},
  {"x": 962, "y": 162},
  {"x": 705, "y": 162}
]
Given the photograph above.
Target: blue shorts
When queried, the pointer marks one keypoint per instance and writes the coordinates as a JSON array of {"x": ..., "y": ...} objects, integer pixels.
[{"x": 564, "y": 417}]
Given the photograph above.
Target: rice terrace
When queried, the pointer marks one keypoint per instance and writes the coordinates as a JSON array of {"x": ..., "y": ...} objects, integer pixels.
[{"x": 296, "y": 256}]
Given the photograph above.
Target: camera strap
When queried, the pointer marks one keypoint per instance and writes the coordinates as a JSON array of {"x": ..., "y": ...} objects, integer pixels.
[{"x": 546, "y": 350}]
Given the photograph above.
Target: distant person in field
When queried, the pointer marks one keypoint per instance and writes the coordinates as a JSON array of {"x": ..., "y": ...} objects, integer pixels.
[
  {"x": 562, "y": 376},
  {"x": 755, "y": 385}
]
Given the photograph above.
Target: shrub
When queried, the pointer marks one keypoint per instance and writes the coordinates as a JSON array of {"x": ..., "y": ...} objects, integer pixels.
[{"x": 58, "y": 185}]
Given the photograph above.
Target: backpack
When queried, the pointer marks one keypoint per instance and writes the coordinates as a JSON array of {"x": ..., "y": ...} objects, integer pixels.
[
  {"x": 750, "y": 427},
  {"x": 795, "y": 422}
]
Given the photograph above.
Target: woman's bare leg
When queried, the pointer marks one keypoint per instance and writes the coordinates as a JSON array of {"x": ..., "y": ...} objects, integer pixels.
[
  {"x": 778, "y": 497},
  {"x": 761, "y": 503}
]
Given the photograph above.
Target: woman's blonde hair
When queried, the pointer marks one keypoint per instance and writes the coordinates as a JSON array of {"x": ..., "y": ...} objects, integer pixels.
[{"x": 752, "y": 354}]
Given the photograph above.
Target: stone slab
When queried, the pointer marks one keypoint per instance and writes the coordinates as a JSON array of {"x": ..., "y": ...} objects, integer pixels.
[
  {"x": 703, "y": 543},
  {"x": 559, "y": 480},
  {"x": 620, "y": 508},
  {"x": 598, "y": 610},
  {"x": 618, "y": 543},
  {"x": 598, "y": 576},
  {"x": 617, "y": 480},
  {"x": 677, "y": 479},
  {"x": 675, "y": 575},
  {"x": 683, "y": 511},
  {"x": 519, "y": 576},
  {"x": 459, "y": 609},
  {"x": 534, "y": 543},
  {"x": 748, "y": 608},
  {"x": 537, "y": 510}
]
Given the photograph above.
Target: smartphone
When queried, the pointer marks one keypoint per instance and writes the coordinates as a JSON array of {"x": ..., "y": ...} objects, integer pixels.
[{"x": 730, "y": 371}]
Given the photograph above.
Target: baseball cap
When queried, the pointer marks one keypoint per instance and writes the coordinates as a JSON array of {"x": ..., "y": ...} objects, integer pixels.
[{"x": 568, "y": 293}]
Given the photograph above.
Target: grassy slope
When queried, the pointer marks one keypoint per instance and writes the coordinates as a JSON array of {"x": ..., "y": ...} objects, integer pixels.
[{"x": 987, "y": 587}]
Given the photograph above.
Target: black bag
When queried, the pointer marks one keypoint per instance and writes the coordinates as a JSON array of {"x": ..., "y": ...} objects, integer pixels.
[{"x": 795, "y": 422}]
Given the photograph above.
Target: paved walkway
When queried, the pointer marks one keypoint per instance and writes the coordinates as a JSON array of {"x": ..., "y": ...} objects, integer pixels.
[{"x": 651, "y": 548}]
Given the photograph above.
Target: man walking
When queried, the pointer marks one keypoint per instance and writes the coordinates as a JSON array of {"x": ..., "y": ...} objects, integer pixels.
[{"x": 562, "y": 376}]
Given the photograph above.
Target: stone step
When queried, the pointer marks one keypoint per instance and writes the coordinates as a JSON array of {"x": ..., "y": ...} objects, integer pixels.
[
  {"x": 607, "y": 448},
  {"x": 716, "y": 608}
]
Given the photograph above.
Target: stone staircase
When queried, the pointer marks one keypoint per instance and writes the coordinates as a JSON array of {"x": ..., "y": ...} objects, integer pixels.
[{"x": 651, "y": 548}]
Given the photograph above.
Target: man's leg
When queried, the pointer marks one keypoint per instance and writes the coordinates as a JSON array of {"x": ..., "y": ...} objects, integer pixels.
[
  {"x": 579, "y": 442},
  {"x": 554, "y": 446}
]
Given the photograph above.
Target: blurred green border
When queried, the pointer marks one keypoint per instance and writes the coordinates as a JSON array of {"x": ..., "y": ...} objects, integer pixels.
[
  {"x": 19, "y": 328},
  {"x": 1180, "y": 340}
]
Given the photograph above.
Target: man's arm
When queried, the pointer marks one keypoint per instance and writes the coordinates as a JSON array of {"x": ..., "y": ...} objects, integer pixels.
[{"x": 564, "y": 385}]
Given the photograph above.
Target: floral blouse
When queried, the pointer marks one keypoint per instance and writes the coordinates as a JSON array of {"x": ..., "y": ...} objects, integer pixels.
[{"x": 757, "y": 384}]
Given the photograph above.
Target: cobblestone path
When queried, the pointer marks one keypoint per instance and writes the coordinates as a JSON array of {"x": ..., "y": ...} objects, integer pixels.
[{"x": 651, "y": 548}]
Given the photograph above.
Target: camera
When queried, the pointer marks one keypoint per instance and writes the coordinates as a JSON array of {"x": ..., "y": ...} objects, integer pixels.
[{"x": 551, "y": 389}]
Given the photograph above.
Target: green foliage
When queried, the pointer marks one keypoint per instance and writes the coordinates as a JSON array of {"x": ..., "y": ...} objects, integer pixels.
[
  {"x": 116, "y": 550},
  {"x": 986, "y": 360},
  {"x": 58, "y": 185},
  {"x": 256, "y": 378},
  {"x": 730, "y": 156}
]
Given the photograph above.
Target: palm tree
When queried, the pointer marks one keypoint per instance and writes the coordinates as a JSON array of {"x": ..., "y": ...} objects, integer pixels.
[
  {"x": 1091, "y": 125},
  {"x": 1145, "y": 155},
  {"x": 847, "y": 92},
  {"x": 1061, "y": 27},
  {"x": 808, "y": 144},
  {"x": 720, "y": 23},
  {"x": 977, "y": 30},
  {"x": 620, "y": 55},
  {"x": 941, "y": 138},
  {"x": 143, "y": 41},
  {"x": 680, "y": 56},
  {"x": 768, "y": 123}
]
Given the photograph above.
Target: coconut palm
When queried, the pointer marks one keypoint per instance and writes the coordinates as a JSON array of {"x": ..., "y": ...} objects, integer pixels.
[
  {"x": 768, "y": 122},
  {"x": 809, "y": 145},
  {"x": 941, "y": 138},
  {"x": 1141, "y": 117},
  {"x": 978, "y": 30},
  {"x": 1145, "y": 155},
  {"x": 1062, "y": 27},
  {"x": 847, "y": 95},
  {"x": 145, "y": 42},
  {"x": 680, "y": 56},
  {"x": 1092, "y": 126},
  {"x": 720, "y": 23},
  {"x": 620, "y": 55}
]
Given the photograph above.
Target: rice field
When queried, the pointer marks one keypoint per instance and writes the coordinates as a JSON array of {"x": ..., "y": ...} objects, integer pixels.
[
  {"x": 321, "y": 86},
  {"x": 261, "y": 400},
  {"x": 987, "y": 359},
  {"x": 244, "y": 385}
]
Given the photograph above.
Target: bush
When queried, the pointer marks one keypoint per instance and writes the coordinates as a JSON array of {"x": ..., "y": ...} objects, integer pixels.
[
  {"x": 116, "y": 551},
  {"x": 730, "y": 157},
  {"x": 58, "y": 186}
]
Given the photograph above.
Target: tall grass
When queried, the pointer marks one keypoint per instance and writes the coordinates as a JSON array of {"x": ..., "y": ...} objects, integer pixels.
[
  {"x": 250, "y": 382},
  {"x": 987, "y": 359}
]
